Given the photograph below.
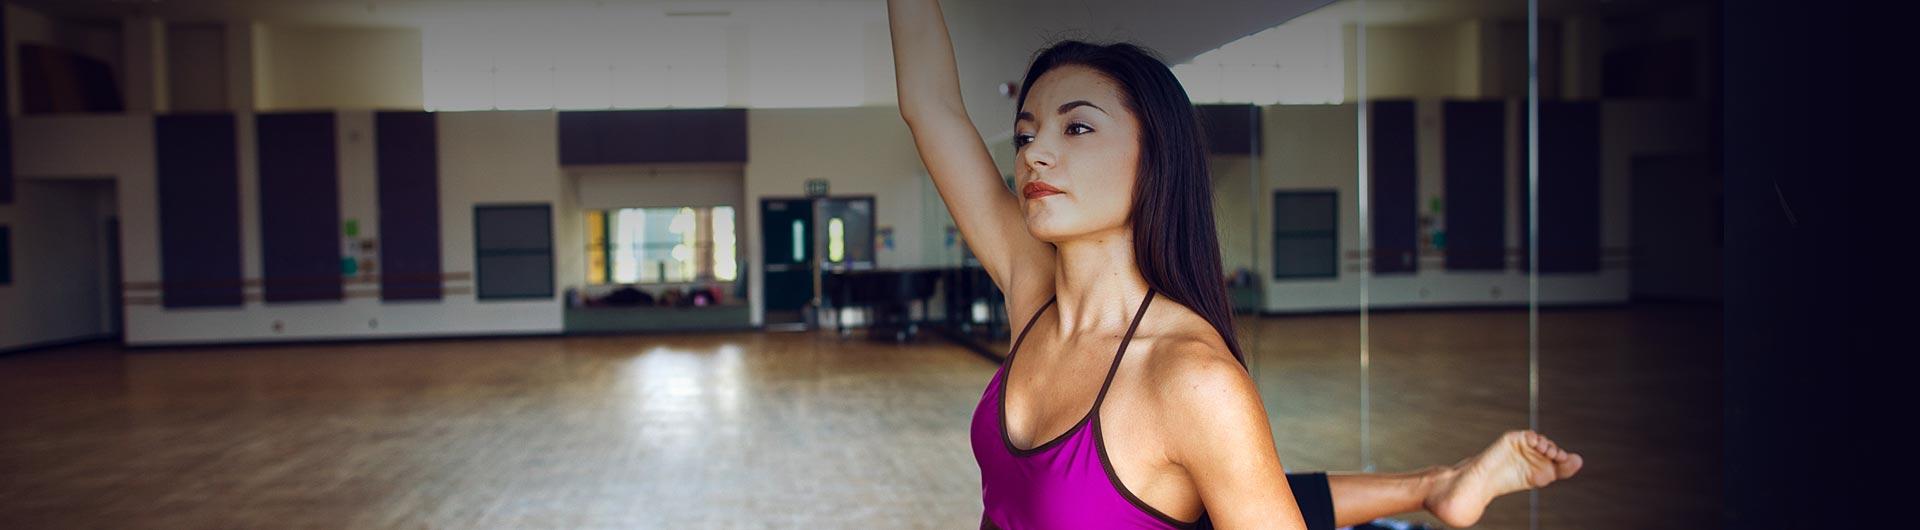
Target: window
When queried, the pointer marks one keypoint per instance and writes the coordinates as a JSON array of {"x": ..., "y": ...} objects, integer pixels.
[
  {"x": 1305, "y": 234},
  {"x": 513, "y": 251},
  {"x": 850, "y": 227},
  {"x": 661, "y": 245}
]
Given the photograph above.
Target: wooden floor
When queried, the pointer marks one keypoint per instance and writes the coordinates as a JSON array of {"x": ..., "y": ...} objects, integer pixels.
[
  {"x": 758, "y": 430},
  {"x": 1635, "y": 391}
]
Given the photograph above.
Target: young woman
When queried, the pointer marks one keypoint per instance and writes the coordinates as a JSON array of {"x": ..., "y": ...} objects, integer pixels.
[{"x": 1124, "y": 402}]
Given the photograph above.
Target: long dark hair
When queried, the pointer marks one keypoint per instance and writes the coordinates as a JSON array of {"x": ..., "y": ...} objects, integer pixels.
[{"x": 1174, "y": 242}]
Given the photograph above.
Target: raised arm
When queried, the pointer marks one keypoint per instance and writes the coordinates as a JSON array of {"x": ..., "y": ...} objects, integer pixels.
[{"x": 987, "y": 213}]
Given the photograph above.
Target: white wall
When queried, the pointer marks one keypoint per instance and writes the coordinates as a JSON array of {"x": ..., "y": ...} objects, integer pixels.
[
  {"x": 1415, "y": 61},
  {"x": 308, "y": 67},
  {"x": 63, "y": 188},
  {"x": 490, "y": 157},
  {"x": 485, "y": 157},
  {"x": 661, "y": 187},
  {"x": 1234, "y": 193}
]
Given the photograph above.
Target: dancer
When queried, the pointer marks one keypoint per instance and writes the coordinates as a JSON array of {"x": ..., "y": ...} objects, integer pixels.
[{"x": 1098, "y": 420}]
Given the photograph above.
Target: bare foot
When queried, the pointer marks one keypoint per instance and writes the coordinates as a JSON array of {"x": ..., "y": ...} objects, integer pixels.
[{"x": 1519, "y": 460}]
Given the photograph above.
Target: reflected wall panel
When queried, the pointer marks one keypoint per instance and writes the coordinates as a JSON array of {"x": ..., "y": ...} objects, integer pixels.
[
  {"x": 6, "y": 122},
  {"x": 652, "y": 136},
  {"x": 299, "y": 207},
  {"x": 198, "y": 186},
  {"x": 1569, "y": 197},
  {"x": 1474, "y": 134},
  {"x": 1230, "y": 128},
  {"x": 1391, "y": 158},
  {"x": 409, "y": 172}
]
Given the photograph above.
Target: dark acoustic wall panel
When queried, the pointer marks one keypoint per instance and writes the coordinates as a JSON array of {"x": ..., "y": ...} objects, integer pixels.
[
  {"x": 1525, "y": 187},
  {"x": 197, "y": 169},
  {"x": 653, "y": 136},
  {"x": 1569, "y": 186},
  {"x": 299, "y": 207},
  {"x": 409, "y": 171},
  {"x": 6, "y": 122},
  {"x": 57, "y": 80},
  {"x": 1476, "y": 210},
  {"x": 6, "y": 256},
  {"x": 1393, "y": 204},
  {"x": 580, "y": 136},
  {"x": 1230, "y": 129}
]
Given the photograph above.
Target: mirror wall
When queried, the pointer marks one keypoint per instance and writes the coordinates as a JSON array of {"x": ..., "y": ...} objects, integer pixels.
[
  {"x": 1437, "y": 91},
  {"x": 1468, "y": 218},
  {"x": 1444, "y": 221},
  {"x": 1624, "y": 245}
]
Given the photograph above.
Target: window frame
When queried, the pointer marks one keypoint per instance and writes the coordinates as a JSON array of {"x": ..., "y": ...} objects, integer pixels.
[
  {"x": 1332, "y": 234},
  {"x": 479, "y": 254},
  {"x": 605, "y": 246}
]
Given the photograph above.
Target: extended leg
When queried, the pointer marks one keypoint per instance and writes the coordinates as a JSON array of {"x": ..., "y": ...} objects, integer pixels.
[{"x": 1456, "y": 494}]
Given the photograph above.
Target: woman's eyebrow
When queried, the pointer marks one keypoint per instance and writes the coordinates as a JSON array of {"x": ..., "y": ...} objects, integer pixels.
[{"x": 1064, "y": 107}]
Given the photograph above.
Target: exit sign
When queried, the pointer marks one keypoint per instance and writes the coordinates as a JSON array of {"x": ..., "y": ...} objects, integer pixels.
[{"x": 816, "y": 187}]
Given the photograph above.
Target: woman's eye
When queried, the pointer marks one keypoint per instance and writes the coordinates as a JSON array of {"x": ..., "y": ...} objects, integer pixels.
[
  {"x": 1080, "y": 125},
  {"x": 1021, "y": 139}
]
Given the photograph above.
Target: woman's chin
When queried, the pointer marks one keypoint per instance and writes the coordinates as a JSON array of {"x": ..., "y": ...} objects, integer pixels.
[
  {"x": 1049, "y": 233},
  {"x": 1045, "y": 234}
]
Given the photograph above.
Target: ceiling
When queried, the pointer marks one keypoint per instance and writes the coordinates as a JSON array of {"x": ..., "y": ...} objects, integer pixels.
[{"x": 1178, "y": 29}]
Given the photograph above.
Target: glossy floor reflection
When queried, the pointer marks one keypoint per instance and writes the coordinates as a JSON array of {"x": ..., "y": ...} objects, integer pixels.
[
  {"x": 782, "y": 430},
  {"x": 681, "y": 431}
]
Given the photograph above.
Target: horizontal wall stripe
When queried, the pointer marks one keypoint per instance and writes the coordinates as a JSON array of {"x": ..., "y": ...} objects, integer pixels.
[
  {"x": 363, "y": 279},
  {"x": 1604, "y": 252},
  {"x": 254, "y": 298}
]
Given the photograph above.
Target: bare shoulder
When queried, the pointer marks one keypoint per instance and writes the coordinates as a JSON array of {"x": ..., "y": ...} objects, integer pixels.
[{"x": 1192, "y": 369}]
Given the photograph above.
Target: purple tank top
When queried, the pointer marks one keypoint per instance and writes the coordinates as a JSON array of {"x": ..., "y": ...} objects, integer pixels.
[{"x": 1064, "y": 483}]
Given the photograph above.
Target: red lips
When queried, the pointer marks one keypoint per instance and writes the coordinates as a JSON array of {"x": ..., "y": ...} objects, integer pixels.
[{"x": 1036, "y": 189}]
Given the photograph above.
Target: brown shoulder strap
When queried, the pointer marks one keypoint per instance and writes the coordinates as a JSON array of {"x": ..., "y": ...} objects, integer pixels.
[
  {"x": 1117, "y": 355},
  {"x": 1030, "y": 322}
]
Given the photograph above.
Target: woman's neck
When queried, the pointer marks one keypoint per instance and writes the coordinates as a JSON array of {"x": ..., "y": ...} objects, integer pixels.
[{"x": 1097, "y": 282}]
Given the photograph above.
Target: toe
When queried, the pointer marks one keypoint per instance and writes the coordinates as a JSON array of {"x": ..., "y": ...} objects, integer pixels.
[{"x": 1571, "y": 466}]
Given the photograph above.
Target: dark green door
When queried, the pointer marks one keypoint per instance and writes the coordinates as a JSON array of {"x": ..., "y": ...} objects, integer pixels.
[{"x": 786, "y": 228}]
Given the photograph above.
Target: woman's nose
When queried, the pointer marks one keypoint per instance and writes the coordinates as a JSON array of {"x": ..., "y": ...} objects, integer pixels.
[{"x": 1038, "y": 157}]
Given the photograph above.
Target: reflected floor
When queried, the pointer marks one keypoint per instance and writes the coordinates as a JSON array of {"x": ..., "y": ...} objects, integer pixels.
[
  {"x": 763, "y": 430},
  {"x": 1635, "y": 390}
]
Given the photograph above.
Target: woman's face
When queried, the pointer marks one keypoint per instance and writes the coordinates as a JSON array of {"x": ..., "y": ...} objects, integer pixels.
[{"x": 1075, "y": 133}]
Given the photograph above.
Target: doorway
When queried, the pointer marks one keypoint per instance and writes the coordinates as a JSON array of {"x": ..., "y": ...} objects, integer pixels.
[{"x": 786, "y": 229}]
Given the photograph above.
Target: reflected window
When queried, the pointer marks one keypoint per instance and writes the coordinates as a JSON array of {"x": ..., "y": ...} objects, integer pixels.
[
  {"x": 661, "y": 245},
  {"x": 849, "y": 231},
  {"x": 1306, "y": 234},
  {"x": 836, "y": 240}
]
